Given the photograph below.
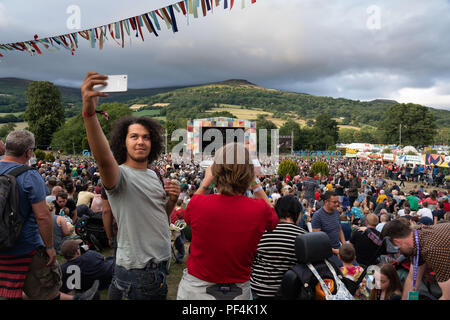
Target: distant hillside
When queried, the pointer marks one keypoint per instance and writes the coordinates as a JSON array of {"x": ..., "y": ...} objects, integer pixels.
[
  {"x": 197, "y": 101},
  {"x": 201, "y": 100},
  {"x": 386, "y": 101},
  {"x": 13, "y": 95}
]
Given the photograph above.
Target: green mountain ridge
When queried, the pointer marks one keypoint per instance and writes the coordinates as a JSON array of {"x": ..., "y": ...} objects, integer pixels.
[{"x": 190, "y": 102}]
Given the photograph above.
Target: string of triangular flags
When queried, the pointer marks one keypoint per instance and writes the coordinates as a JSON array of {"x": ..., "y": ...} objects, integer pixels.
[{"x": 117, "y": 30}]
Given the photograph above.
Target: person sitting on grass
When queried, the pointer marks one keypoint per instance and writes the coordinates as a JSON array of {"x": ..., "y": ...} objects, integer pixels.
[{"x": 80, "y": 271}]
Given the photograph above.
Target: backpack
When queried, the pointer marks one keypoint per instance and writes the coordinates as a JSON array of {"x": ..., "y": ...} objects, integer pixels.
[
  {"x": 299, "y": 283},
  {"x": 341, "y": 292},
  {"x": 10, "y": 220}
]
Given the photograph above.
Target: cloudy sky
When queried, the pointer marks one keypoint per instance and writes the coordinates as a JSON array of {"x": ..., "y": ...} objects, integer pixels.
[{"x": 351, "y": 48}]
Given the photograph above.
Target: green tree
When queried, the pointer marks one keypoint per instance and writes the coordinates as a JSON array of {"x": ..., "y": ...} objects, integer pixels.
[
  {"x": 443, "y": 137},
  {"x": 6, "y": 129},
  {"x": 288, "y": 167},
  {"x": 45, "y": 112},
  {"x": 418, "y": 127},
  {"x": 40, "y": 155},
  {"x": 49, "y": 157},
  {"x": 225, "y": 114},
  {"x": 326, "y": 130},
  {"x": 170, "y": 127},
  {"x": 70, "y": 136},
  {"x": 347, "y": 135},
  {"x": 366, "y": 135},
  {"x": 292, "y": 127},
  {"x": 268, "y": 125},
  {"x": 320, "y": 167},
  {"x": 320, "y": 140},
  {"x": 310, "y": 122}
]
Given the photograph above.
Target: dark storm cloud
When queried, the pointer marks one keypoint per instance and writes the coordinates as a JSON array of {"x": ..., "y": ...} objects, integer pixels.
[{"x": 315, "y": 46}]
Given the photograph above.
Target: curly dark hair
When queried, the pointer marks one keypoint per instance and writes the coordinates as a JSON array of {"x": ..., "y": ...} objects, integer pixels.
[{"x": 119, "y": 133}]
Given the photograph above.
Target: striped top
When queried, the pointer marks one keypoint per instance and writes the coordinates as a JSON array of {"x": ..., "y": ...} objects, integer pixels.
[
  {"x": 275, "y": 255},
  {"x": 13, "y": 271}
]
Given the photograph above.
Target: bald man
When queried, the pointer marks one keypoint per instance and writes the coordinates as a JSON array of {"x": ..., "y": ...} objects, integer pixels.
[{"x": 52, "y": 196}]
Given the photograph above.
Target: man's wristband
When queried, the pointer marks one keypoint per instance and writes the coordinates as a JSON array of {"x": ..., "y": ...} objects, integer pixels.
[
  {"x": 257, "y": 189},
  {"x": 254, "y": 183},
  {"x": 88, "y": 115},
  {"x": 49, "y": 248}
]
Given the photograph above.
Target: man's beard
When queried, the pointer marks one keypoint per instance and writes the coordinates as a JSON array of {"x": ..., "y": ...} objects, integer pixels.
[
  {"x": 407, "y": 251},
  {"x": 140, "y": 160}
]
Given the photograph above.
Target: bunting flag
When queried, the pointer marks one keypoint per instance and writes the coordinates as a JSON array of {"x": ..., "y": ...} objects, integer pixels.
[{"x": 118, "y": 30}]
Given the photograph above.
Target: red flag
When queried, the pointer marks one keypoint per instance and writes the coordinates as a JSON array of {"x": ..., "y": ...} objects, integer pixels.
[
  {"x": 133, "y": 26},
  {"x": 35, "y": 47},
  {"x": 183, "y": 8},
  {"x": 84, "y": 34},
  {"x": 139, "y": 28},
  {"x": 159, "y": 14}
]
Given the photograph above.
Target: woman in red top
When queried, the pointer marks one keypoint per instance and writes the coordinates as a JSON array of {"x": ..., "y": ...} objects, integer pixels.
[
  {"x": 226, "y": 229},
  {"x": 431, "y": 200}
]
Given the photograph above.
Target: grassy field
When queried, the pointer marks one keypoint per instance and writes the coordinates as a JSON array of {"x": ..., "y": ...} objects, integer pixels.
[
  {"x": 13, "y": 113},
  {"x": 244, "y": 114},
  {"x": 252, "y": 114},
  {"x": 19, "y": 125},
  {"x": 151, "y": 112},
  {"x": 342, "y": 126}
]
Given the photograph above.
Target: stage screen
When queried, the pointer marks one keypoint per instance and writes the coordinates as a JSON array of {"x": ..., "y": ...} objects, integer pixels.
[{"x": 236, "y": 132}]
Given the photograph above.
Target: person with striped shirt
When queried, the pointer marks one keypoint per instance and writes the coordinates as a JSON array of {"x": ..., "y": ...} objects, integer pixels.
[{"x": 276, "y": 250}]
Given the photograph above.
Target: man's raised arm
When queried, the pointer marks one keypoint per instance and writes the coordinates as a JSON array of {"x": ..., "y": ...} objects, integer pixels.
[{"x": 107, "y": 165}]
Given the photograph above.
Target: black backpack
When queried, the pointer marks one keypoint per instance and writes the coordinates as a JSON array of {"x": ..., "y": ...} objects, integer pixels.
[
  {"x": 10, "y": 220},
  {"x": 299, "y": 283}
]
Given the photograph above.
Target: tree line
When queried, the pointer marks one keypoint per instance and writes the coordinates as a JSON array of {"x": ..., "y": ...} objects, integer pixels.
[{"x": 46, "y": 118}]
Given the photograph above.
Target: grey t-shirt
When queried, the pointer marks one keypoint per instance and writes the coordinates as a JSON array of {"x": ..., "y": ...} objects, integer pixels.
[
  {"x": 138, "y": 203},
  {"x": 329, "y": 223}
]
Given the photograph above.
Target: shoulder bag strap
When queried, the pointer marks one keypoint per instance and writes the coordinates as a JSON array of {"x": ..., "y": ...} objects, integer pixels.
[
  {"x": 322, "y": 283},
  {"x": 18, "y": 171},
  {"x": 337, "y": 280}
]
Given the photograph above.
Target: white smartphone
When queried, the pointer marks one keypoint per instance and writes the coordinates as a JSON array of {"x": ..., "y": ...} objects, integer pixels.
[{"x": 115, "y": 83}]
